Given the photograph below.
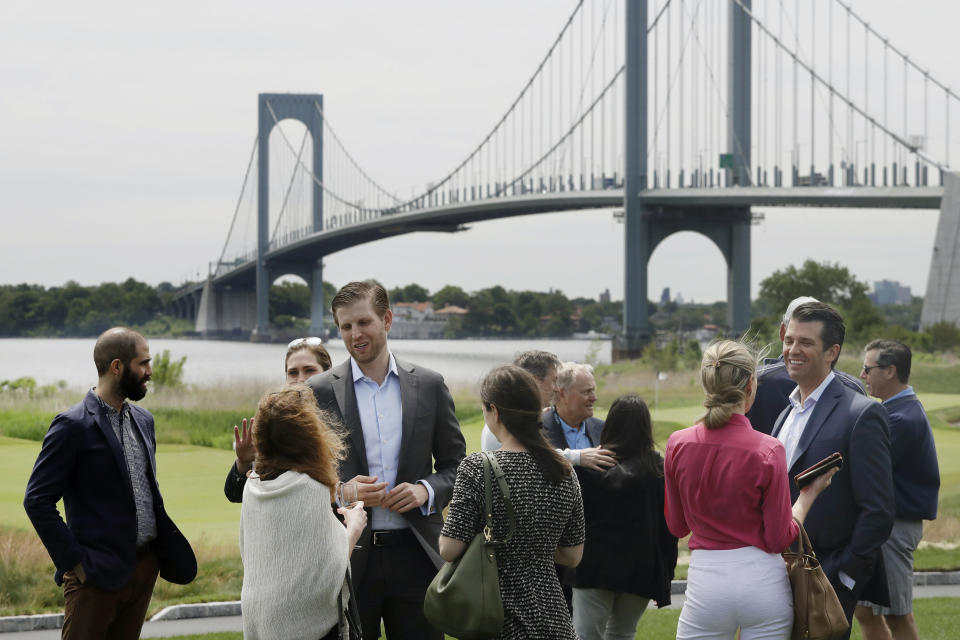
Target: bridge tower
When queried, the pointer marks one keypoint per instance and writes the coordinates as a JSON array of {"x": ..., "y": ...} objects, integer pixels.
[
  {"x": 646, "y": 226},
  {"x": 942, "y": 302},
  {"x": 272, "y": 108}
]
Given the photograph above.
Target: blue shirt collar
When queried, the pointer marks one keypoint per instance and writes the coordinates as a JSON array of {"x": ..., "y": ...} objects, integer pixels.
[
  {"x": 358, "y": 374},
  {"x": 903, "y": 394},
  {"x": 567, "y": 428}
]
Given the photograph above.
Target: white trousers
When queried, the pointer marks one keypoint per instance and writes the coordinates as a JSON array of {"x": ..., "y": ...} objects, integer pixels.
[
  {"x": 599, "y": 614},
  {"x": 744, "y": 588}
]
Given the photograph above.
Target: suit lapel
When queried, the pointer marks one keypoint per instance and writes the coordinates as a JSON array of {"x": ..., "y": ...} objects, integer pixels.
[
  {"x": 824, "y": 407},
  {"x": 409, "y": 403},
  {"x": 99, "y": 415},
  {"x": 346, "y": 397}
]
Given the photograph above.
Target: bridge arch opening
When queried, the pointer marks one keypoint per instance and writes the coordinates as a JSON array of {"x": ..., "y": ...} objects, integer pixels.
[
  {"x": 290, "y": 213},
  {"x": 671, "y": 266}
]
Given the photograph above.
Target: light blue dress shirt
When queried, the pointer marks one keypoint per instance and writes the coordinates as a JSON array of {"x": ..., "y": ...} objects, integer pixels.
[
  {"x": 576, "y": 436},
  {"x": 381, "y": 417}
]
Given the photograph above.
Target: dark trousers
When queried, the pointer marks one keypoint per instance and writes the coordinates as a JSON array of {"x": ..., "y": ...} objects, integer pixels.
[
  {"x": 92, "y": 613},
  {"x": 394, "y": 582}
]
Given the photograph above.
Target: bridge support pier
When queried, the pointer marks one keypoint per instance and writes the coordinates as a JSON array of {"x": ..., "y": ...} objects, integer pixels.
[
  {"x": 316, "y": 299},
  {"x": 226, "y": 311},
  {"x": 942, "y": 302},
  {"x": 728, "y": 228},
  {"x": 273, "y": 107}
]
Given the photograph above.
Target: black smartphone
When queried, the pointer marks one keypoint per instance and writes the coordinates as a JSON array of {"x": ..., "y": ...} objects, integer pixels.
[{"x": 808, "y": 475}]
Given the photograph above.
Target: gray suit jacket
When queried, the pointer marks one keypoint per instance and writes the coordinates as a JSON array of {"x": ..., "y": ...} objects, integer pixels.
[
  {"x": 431, "y": 445},
  {"x": 852, "y": 518}
]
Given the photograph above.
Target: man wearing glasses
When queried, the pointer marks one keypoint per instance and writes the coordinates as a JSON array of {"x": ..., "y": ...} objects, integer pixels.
[{"x": 916, "y": 482}]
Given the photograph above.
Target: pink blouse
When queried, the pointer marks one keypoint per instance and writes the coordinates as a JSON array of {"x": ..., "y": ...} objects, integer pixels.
[{"x": 729, "y": 486}]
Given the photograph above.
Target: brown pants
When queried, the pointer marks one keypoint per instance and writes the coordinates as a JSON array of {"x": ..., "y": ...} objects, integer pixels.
[{"x": 92, "y": 613}]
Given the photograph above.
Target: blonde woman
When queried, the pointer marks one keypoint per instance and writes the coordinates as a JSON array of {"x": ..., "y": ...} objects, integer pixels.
[
  {"x": 727, "y": 485},
  {"x": 295, "y": 552}
]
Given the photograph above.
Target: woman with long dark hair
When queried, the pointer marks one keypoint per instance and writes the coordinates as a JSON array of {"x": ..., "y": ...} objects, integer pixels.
[
  {"x": 295, "y": 552},
  {"x": 547, "y": 505},
  {"x": 630, "y": 555}
]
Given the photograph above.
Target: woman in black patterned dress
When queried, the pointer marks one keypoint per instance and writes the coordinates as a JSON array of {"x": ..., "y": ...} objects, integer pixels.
[{"x": 547, "y": 503}]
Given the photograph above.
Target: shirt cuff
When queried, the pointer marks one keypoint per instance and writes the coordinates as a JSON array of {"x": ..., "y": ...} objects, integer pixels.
[
  {"x": 847, "y": 581},
  {"x": 571, "y": 455},
  {"x": 428, "y": 507}
]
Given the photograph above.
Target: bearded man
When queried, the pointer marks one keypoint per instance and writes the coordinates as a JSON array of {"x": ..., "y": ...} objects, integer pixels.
[{"x": 99, "y": 456}]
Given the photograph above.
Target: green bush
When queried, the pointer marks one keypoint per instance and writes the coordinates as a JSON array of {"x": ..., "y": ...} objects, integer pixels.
[{"x": 167, "y": 372}]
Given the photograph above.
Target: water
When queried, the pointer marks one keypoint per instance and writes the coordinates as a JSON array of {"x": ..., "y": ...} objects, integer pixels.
[{"x": 462, "y": 362}]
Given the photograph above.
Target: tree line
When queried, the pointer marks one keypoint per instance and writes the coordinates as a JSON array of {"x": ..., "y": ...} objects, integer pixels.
[{"x": 75, "y": 310}]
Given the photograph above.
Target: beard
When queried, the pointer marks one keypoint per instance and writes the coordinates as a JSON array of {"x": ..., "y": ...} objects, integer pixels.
[{"x": 133, "y": 387}]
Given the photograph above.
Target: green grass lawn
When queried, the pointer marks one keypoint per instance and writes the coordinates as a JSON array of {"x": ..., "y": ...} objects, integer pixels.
[{"x": 191, "y": 478}]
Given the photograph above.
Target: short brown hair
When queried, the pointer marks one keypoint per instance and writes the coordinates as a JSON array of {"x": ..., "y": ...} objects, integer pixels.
[
  {"x": 893, "y": 352},
  {"x": 360, "y": 290},
  {"x": 291, "y": 434},
  {"x": 833, "y": 330}
]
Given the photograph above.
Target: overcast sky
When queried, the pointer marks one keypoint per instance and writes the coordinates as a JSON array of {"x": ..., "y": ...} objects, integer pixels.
[{"x": 125, "y": 130}]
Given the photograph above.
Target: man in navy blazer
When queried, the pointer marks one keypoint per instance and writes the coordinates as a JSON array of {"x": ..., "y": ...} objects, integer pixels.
[
  {"x": 774, "y": 384},
  {"x": 403, "y": 448},
  {"x": 916, "y": 485},
  {"x": 851, "y": 520},
  {"x": 99, "y": 456}
]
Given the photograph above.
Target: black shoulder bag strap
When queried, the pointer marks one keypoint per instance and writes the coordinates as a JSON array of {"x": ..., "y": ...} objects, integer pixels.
[{"x": 492, "y": 467}]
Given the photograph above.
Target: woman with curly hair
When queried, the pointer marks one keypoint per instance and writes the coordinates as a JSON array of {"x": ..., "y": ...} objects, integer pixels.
[{"x": 295, "y": 551}]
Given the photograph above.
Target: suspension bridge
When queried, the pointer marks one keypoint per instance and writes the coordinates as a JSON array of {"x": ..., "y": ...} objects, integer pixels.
[{"x": 684, "y": 113}]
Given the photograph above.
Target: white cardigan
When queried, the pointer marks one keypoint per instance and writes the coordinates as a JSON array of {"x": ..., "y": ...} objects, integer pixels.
[{"x": 294, "y": 553}]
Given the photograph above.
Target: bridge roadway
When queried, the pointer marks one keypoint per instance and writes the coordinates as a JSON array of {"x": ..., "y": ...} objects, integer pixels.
[{"x": 453, "y": 217}]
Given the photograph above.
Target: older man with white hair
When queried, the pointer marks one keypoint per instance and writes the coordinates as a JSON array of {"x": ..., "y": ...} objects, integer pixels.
[
  {"x": 569, "y": 424},
  {"x": 774, "y": 384}
]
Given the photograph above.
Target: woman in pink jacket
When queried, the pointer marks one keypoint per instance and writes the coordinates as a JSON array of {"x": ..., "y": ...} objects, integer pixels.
[{"x": 727, "y": 485}]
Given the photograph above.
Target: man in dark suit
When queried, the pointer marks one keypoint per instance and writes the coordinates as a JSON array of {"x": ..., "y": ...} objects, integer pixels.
[
  {"x": 916, "y": 485},
  {"x": 569, "y": 425},
  {"x": 850, "y": 521},
  {"x": 774, "y": 384},
  {"x": 404, "y": 447},
  {"x": 100, "y": 457}
]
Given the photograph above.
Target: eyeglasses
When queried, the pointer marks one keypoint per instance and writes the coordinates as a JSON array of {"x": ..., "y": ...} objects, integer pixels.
[
  {"x": 312, "y": 341},
  {"x": 867, "y": 369}
]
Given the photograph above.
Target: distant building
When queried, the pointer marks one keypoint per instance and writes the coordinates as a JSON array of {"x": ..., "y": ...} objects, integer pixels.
[
  {"x": 419, "y": 320},
  {"x": 665, "y": 295},
  {"x": 890, "y": 292},
  {"x": 605, "y": 296}
]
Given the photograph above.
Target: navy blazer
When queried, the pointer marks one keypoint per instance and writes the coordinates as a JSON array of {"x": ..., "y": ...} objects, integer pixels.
[
  {"x": 431, "y": 445},
  {"x": 774, "y": 387},
  {"x": 554, "y": 430},
  {"x": 82, "y": 462},
  {"x": 852, "y": 518},
  {"x": 916, "y": 473}
]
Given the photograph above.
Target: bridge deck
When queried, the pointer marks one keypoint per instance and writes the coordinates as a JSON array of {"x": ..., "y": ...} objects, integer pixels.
[{"x": 453, "y": 217}]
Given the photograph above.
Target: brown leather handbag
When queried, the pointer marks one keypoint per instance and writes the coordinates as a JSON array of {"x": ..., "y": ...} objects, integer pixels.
[{"x": 817, "y": 614}]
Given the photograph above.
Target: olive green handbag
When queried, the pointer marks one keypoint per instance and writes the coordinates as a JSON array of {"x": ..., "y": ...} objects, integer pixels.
[{"x": 463, "y": 600}]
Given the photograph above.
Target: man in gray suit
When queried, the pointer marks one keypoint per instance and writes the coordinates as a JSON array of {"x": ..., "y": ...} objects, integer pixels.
[
  {"x": 850, "y": 521},
  {"x": 403, "y": 448}
]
